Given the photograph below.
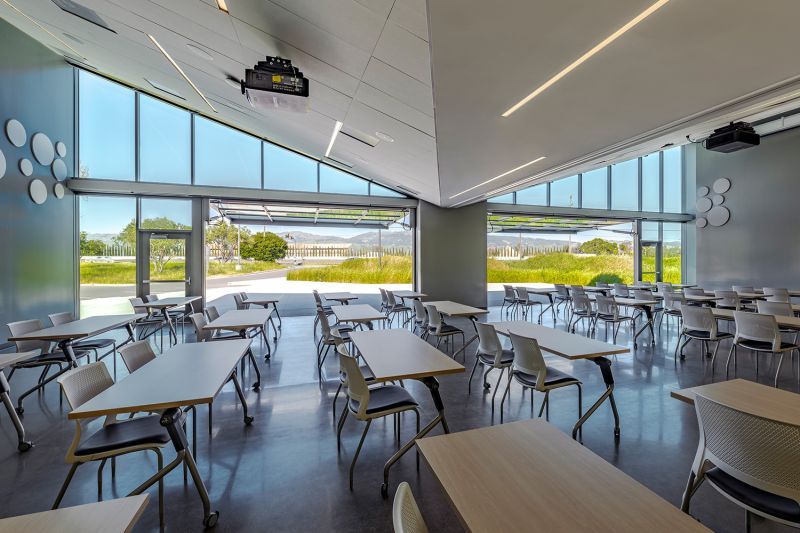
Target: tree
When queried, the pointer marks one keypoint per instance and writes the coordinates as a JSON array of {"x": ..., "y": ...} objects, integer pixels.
[
  {"x": 162, "y": 251},
  {"x": 91, "y": 246},
  {"x": 223, "y": 237},
  {"x": 599, "y": 246},
  {"x": 265, "y": 246}
]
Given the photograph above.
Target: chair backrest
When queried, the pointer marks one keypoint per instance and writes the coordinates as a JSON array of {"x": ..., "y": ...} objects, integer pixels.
[
  {"x": 673, "y": 301},
  {"x": 357, "y": 388},
  {"x": 324, "y": 325},
  {"x": 694, "y": 291},
  {"x": 728, "y": 299},
  {"x": 151, "y": 298},
  {"x": 664, "y": 287},
  {"x": 199, "y": 322},
  {"x": 581, "y": 302},
  {"x": 576, "y": 289},
  {"x": 237, "y": 297},
  {"x": 607, "y": 306},
  {"x": 419, "y": 311},
  {"x": 758, "y": 451},
  {"x": 317, "y": 297},
  {"x": 508, "y": 291},
  {"x": 522, "y": 293},
  {"x": 775, "y": 308},
  {"x": 644, "y": 294},
  {"x": 697, "y": 318},
  {"x": 138, "y": 305},
  {"x": 391, "y": 299},
  {"x": 405, "y": 513},
  {"x": 26, "y": 326},
  {"x": 434, "y": 317},
  {"x": 384, "y": 298},
  {"x": 562, "y": 290},
  {"x": 488, "y": 341},
  {"x": 136, "y": 354},
  {"x": 85, "y": 382},
  {"x": 212, "y": 313},
  {"x": 621, "y": 290},
  {"x": 756, "y": 327},
  {"x": 528, "y": 358},
  {"x": 777, "y": 295},
  {"x": 196, "y": 306},
  {"x": 61, "y": 318},
  {"x": 743, "y": 288}
]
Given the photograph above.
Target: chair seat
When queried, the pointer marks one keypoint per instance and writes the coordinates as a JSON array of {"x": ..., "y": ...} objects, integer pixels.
[
  {"x": 94, "y": 343},
  {"x": 554, "y": 377},
  {"x": 365, "y": 371},
  {"x": 385, "y": 399},
  {"x": 505, "y": 358},
  {"x": 761, "y": 500},
  {"x": 705, "y": 335},
  {"x": 445, "y": 329},
  {"x": 133, "y": 432},
  {"x": 612, "y": 318},
  {"x": 50, "y": 358},
  {"x": 763, "y": 346},
  {"x": 399, "y": 308},
  {"x": 341, "y": 332}
]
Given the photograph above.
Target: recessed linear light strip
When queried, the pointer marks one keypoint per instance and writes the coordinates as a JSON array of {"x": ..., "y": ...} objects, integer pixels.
[
  {"x": 605, "y": 42},
  {"x": 222, "y": 5},
  {"x": 529, "y": 163},
  {"x": 336, "y": 129},
  {"x": 38, "y": 25},
  {"x": 181, "y": 72}
]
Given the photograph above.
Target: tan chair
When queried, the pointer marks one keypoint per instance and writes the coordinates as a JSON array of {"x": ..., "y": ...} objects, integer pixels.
[
  {"x": 752, "y": 461},
  {"x": 405, "y": 513}
]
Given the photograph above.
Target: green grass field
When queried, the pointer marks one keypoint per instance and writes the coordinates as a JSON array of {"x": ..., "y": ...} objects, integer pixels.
[
  {"x": 125, "y": 273},
  {"x": 395, "y": 269}
]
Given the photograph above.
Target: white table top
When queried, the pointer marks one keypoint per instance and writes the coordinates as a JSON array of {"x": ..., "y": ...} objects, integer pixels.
[
  {"x": 177, "y": 301},
  {"x": 409, "y": 294},
  {"x": 8, "y": 359},
  {"x": 186, "y": 374},
  {"x": 240, "y": 319},
  {"x": 78, "y": 329},
  {"x": 783, "y": 321},
  {"x": 456, "y": 309},
  {"x": 690, "y": 298},
  {"x": 339, "y": 296},
  {"x": 393, "y": 354},
  {"x": 561, "y": 343},
  {"x": 357, "y": 313},
  {"x": 262, "y": 299},
  {"x": 111, "y": 516}
]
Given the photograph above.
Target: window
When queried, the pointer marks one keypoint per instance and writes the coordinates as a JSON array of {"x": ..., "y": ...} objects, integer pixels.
[
  {"x": 594, "y": 194},
  {"x": 336, "y": 181},
  {"x": 380, "y": 190},
  {"x": 672, "y": 241},
  {"x": 107, "y": 128},
  {"x": 673, "y": 177},
  {"x": 650, "y": 231},
  {"x": 625, "y": 185},
  {"x": 224, "y": 156},
  {"x": 564, "y": 192},
  {"x": 165, "y": 142},
  {"x": 503, "y": 199},
  {"x": 285, "y": 170},
  {"x": 536, "y": 195},
  {"x": 158, "y": 213},
  {"x": 651, "y": 182}
]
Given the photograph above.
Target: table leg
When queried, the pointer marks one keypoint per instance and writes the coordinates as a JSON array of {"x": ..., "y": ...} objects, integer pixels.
[
  {"x": 549, "y": 306},
  {"x": 257, "y": 384},
  {"x": 472, "y": 339},
  {"x": 173, "y": 419},
  {"x": 277, "y": 314},
  {"x": 172, "y": 332},
  {"x": 247, "y": 419},
  {"x": 65, "y": 346},
  {"x": 608, "y": 378},
  {"x": 5, "y": 395},
  {"x": 648, "y": 311},
  {"x": 433, "y": 385}
]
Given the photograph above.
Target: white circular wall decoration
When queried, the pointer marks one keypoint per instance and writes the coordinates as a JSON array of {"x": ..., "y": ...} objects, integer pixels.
[
  {"x": 703, "y": 204},
  {"x": 58, "y": 190},
  {"x": 38, "y": 191},
  {"x": 42, "y": 148},
  {"x": 718, "y": 199},
  {"x": 701, "y": 222},
  {"x": 16, "y": 133},
  {"x": 26, "y": 167},
  {"x": 721, "y": 185},
  {"x": 703, "y": 191},
  {"x": 61, "y": 149},
  {"x": 2, "y": 164},
  {"x": 718, "y": 216},
  {"x": 59, "y": 169}
]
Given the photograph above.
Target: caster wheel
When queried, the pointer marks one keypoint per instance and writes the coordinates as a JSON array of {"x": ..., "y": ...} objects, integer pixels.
[
  {"x": 384, "y": 490},
  {"x": 486, "y": 386},
  {"x": 248, "y": 420},
  {"x": 257, "y": 385},
  {"x": 211, "y": 520},
  {"x": 635, "y": 345},
  {"x": 20, "y": 410},
  {"x": 274, "y": 339},
  {"x": 24, "y": 446},
  {"x": 616, "y": 433},
  {"x": 266, "y": 358}
]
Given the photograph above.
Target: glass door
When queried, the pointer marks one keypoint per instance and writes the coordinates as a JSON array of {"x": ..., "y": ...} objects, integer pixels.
[
  {"x": 652, "y": 261},
  {"x": 166, "y": 272}
]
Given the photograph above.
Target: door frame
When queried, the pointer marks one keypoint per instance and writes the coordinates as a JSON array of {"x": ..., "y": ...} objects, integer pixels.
[
  {"x": 659, "y": 259},
  {"x": 143, "y": 286}
]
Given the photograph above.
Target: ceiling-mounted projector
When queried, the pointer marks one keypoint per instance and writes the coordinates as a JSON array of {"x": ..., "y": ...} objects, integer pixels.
[
  {"x": 276, "y": 84},
  {"x": 735, "y": 136}
]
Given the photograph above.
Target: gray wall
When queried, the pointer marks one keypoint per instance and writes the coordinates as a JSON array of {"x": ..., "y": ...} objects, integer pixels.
[
  {"x": 759, "y": 244},
  {"x": 451, "y": 253},
  {"x": 37, "y": 242}
]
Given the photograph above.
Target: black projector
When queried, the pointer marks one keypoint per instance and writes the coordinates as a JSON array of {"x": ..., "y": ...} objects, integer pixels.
[
  {"x": 736, "y": 136},
  {"x": 276, "y": 84}
]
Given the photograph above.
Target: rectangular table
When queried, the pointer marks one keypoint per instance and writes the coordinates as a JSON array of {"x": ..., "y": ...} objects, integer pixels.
[
  {"x": 395, "y": 354},
  {"x": 571, "y": 346},
  {"x": 792, "y": 322},
  {"x": 748, "y": 396},
  {"x": 112, "y": 516},
  {"x": 69, "y": 332},
  {"x": 357, "y": 314},
  {"x": 164, "y": 305},
  {"x": 411, "y": 295},
  {"x": 240, "y": 320},
  {"x": 341, "y": 297},
  {"x": 187, "y": 374},
  {"x": 457, "y": 310},
  {"x": 529, "y": 476},
  {"x": 548, "y": 293},
  {"x": 692, "y": 298},
  {"x": 6, "y": 360},
  {"x": 265, "y": 300}
]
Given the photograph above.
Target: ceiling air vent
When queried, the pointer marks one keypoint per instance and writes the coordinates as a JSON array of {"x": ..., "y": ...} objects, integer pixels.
[
  {"x": 341, "y": 161},
  {"x": 164, "y": 88},
  {"x": 407, "y": 189},
  {"x": 85, "y": 13},
  {"x": 360, "y": 136}
]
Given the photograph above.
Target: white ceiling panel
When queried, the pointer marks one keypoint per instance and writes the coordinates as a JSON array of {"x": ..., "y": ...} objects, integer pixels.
[
  {"x": 389, "y": 105},
  {"x": 400, "y": 85},
  {"x": 405, "y": 51},
  {"x": 411, "y": 15}
]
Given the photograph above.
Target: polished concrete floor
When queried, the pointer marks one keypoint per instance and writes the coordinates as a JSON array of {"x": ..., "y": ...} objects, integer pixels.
[{"x": 283, "y": 473}]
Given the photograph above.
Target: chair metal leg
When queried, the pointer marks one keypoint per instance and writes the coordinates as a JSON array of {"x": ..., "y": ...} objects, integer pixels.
[
  {"x": 335, "y": 397},
  {"x": 505, "y": 394},
  {"x": 545, "y": 405},
  {"x": 339, "y": 427},
  {"x": 64, "y": 485},
  {"x": 497, "y": 386},
  {"x": 778, "y": 371},
  {"x": 358, "y": 451},
  {"x": 469, "y": 383},
  {"x": 100, "y": 480}
]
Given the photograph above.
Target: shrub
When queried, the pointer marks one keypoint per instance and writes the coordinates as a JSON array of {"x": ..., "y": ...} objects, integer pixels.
[
  {"x": 599, "y": 247},
  {"x": 605, "y": 278},
  {"x": 264, "y": 246}
]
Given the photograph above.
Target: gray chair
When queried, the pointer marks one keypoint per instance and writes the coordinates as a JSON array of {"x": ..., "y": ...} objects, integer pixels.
[
  {"x": 664, "y": 287},
  {"x": 777, "y": 295},
  {"x": 561, "y": 297},
  {"x": 525, "y": 303},
  {"x": 778, "y": 309},
  {"x": 490, "y": 355},
  {"x": 394, "y": 308},
  {"x": 439, "y": 329},
  {"x": 369, "y": 377},
  {"x": 384, "y": 299},
  {"x": 608, "y": 311},
  {"x": 621, "y": 290},
  {"x": 530, "y": 370},
  {"x": 212, "y": 314},
  {"x": 673, "y": 302},
  {"x": 148, "y": 325},
  {"x": 581, "y": 310},
  {"x": 509, "y": 300},
  {"x": 700, "y": 324},
  {"x": 420, "y": 318},
  {"x": 694, "y": 291},
  {"x": 744, "y": 288},
  {"x": 329, "y": 337},
  {"x": 136, "y": 354},
  {"x": 728, "y": 300},
  {"x": 95, "y": 345},
  {"x": 760, "y": 334},
  {"x": 319, "y": 305}
]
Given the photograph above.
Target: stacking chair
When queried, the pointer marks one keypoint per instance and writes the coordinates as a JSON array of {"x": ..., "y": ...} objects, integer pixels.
[
  {"x": 490, "y": 355},
  {"x": 114, "y": 438},
  {"x": 439, "y": 329},
  {"x": 367, "y": 404},
  {"x": 95, "y": 345},
  {"x": 405, "y": 513},
  {"x": 420, "y": 319},
  {"x": 699, "y": 324},
  {"x": 647, "y": 295},
  {"x": 330, "y": 335},
  {"x": 751, "y": 460},
  {"x": 581, "y": 310},
  {"x": 673, "y": 301},
  {"x": 728, "y": 300},
  {"x": 393, "y": 308},
  {"x": 743, "y": 288},
  {"x": 509, "y": 300},
  {"x": 777, "y": 309},
  {"x": 212, "y": 314},
  {"x": 621, "y": 290},
  {"x": 369, "y": 377},
  {"x": 561, "y": 297},
  {"x": 524, "y": 301},
  {"x": 759, "y": 333},
  {"x": 777, "y": 295},
  {"x": 695, "y": 291},
  {"x": 608, "y": 311},
  {"x": 324, "y": 307},
  {"x": 384, "y": 299},
  {"x": 530, "y": 370},
  {"x": 136, "y": 354},
  {"x": 663, "y": 287},
  {"x": 148, "y": 325},
  {"x": 239, "y": 301}
]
